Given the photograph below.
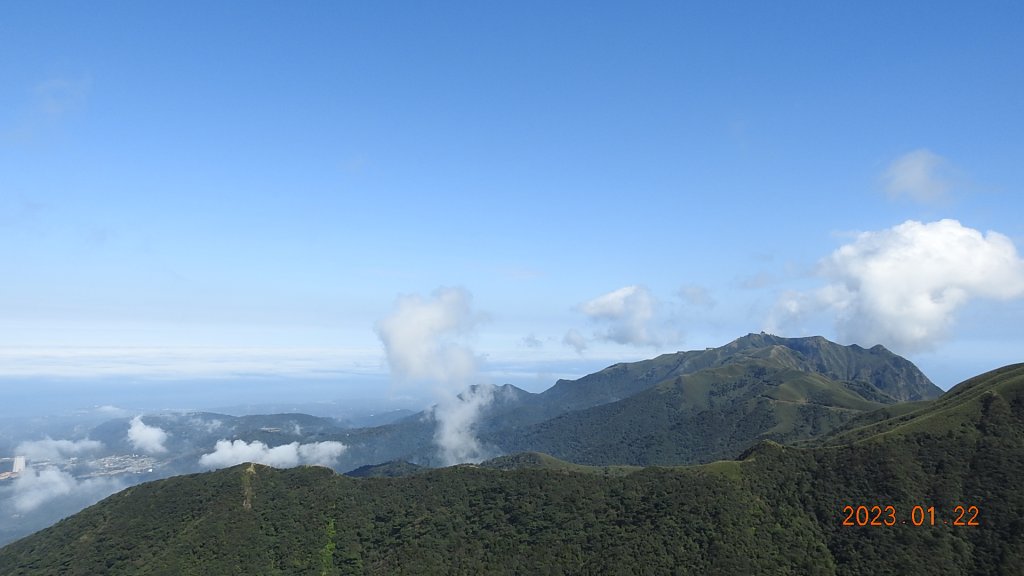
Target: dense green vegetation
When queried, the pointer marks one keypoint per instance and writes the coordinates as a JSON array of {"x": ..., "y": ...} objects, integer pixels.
[
  {"x": 712, "y": 414},
  {"x": 392, "y": 469},
  {"x": 778, "y": 510}
]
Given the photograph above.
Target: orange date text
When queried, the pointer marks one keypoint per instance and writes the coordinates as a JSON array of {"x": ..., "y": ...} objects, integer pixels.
[{"x": 918, "y": 516}]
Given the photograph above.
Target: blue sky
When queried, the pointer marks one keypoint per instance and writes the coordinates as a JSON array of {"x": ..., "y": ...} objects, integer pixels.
[{"x": 239, "y": 190}]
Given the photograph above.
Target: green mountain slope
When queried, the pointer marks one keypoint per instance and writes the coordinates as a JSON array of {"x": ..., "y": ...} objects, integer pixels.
[
  {"x": 892, "y": 375},
  {"x": 965, "y": 449},
  {"x": 827, "y": 384},
  {"x": 779, "y": 510},
  {"x": 708, "y": 415},
  {"x": 876, "y": 374},
  {"x": 984, "y": 399}
]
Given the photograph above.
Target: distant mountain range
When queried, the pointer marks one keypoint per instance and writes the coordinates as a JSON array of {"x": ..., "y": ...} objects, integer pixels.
[
  {"x": 875, "y": 487},
  {"x": 681, "y": 408}
]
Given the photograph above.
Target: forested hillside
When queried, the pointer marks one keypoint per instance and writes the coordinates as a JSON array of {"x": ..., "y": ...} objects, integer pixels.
[{"x": 776, "y": 510}]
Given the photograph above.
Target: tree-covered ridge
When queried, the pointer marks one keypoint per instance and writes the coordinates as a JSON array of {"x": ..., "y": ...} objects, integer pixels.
[{"x": 777, "y": 510}]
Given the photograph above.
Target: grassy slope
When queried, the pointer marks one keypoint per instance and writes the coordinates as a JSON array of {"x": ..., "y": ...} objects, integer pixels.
[
  {"x": 708, "y": 415},
  {"x": 876, "y": 374}
]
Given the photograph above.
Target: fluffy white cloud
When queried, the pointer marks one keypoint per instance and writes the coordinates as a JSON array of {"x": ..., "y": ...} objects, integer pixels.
[
  {"x": 629, "y": 315},
  {"x": 901, "y": 287},
  {"x": 419, "y": 338},
  {"x": 920, "y": 175},
  {"x": 50, "y": 449},
  {"x": 146, "y": 438},
  {"x": 227, "y": 453}
]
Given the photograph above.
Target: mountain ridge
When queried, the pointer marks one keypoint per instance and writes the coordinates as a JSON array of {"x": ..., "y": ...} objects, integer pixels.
[
  {"x": 778, "y": 509},
  {"x": 705, "y": 416},
  {"x": 513, "y": 416}
]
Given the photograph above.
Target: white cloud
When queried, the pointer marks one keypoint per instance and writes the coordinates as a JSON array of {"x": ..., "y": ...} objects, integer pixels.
[
  {"x": 456, "y": 422},
  {"x": 575, "y": 340},
  {"x": 34, "y": 488},
  {"x": 111, "y": 411},
  {"x": 920, "y": 175},
  {"x": 321, "y": 453},
  {"x": 630, "y": 317},
  {"x": 50, "y": 449},
  {"x": 227, "y": 453},
  {"x": 420, "y": 338},
  {"x": 149, "y": 439},
  {"x": 902, "y": 287}
]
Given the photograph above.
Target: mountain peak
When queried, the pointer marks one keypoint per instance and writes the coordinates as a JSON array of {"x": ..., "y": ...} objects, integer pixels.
[{"x": 890, "y": 373}]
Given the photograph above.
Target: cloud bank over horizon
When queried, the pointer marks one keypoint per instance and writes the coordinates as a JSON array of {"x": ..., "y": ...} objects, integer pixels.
[{"x": 184, "y": 362}]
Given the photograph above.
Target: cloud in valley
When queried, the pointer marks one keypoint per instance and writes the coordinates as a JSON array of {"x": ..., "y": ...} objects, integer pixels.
[
  {"x": 424, "y": 339},
  {"x": 902, "y": 287},
  {"x": 35, "y": 488},
  {"x": 229, "y": 453},
  {"x": 920, "y": 175},
  {"x": 456, "y": 425},
  {"x": 149, "y": 439},
  {"x": 50, "y": 449}
]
